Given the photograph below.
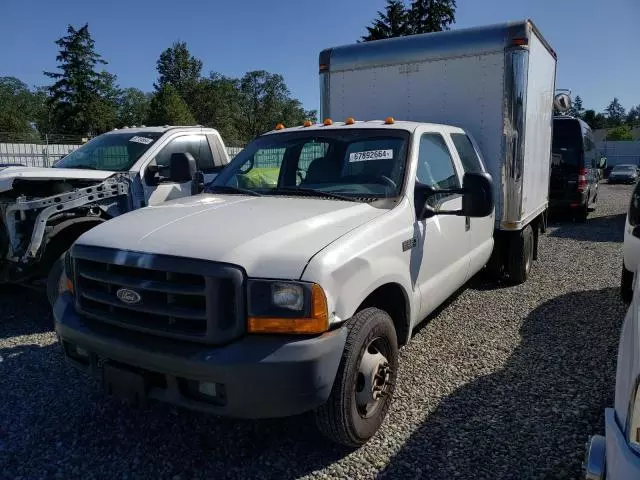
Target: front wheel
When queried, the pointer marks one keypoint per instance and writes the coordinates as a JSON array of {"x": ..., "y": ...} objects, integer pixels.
[{"x": 365, "y": 382}]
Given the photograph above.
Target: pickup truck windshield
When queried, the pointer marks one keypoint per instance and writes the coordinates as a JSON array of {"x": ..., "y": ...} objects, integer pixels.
[
  {"x": 338, "y": 163},
  {"x": 112, "y": 151}
]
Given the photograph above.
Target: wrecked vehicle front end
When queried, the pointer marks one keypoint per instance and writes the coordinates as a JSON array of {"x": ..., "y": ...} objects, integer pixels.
[{"x": 40, "y": 215}]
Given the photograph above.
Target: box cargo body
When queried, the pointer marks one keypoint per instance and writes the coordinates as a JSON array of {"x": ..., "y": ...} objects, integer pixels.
[{"x": 497, "y": 82}]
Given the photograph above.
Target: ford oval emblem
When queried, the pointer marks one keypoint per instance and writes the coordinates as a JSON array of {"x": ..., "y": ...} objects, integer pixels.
[{"x": 127, "y": 296}]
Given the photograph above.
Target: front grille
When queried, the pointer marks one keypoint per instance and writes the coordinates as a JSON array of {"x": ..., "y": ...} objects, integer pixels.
[{"x": 172, "y": 297}]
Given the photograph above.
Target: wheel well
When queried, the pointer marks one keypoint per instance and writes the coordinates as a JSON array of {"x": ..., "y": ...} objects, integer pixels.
[
  {"x": 392, "y": 299},
  {"x": 63, "y": 236}
]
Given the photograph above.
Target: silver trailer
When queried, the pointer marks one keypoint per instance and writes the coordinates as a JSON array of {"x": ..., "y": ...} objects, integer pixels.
[{"x": 496, "y": 82}]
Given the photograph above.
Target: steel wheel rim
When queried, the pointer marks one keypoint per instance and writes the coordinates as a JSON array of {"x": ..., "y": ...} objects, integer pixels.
[{"x": 373, "y": 378}]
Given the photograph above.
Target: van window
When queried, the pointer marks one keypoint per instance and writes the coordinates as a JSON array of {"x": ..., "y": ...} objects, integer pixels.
[
  {"x": 468, "y": 154},
  {"x": 567, "y": 143}
]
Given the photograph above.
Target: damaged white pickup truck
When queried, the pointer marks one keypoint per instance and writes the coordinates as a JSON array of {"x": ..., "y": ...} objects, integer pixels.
[{"x": 44, "y": 210}]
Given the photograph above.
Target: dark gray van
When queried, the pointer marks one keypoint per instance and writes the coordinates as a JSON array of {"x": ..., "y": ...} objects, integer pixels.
[{"x": 575, "y": 165}]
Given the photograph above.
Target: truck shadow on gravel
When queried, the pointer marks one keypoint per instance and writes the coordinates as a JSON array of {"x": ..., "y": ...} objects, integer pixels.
[
  {"x": 23, "y": 311},
  {"x": 609, "y": 228},
  {"x": 532, "y": 418}
]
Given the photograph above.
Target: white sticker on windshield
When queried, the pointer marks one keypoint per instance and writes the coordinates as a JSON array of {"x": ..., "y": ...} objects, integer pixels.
[
  {"x": 371, "y": 155},
  {"x": 143, "y": 140}
]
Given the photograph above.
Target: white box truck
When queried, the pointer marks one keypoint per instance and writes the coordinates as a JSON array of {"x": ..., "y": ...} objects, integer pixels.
[
  {"x": 496, "y": 82},
  {"x": 339, "y": 238}
]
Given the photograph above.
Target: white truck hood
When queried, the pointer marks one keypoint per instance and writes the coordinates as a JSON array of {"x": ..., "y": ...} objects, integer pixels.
[
  {"x": 628, "y": 367},
  {"x": 268, "y": 236},
  {"x": 9, "y": 174}
]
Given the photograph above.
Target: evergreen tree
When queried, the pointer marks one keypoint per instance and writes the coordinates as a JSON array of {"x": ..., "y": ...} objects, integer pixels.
[
  {"x": 577, "y": 110},
  {"x": 431, "y": 15},
  {"x": 168, "y": 108},
  {"x": 177, "y": 67},
  {"x": 133, "y": 107},
  {"x": 393, "y": 22},
  {"x": 81, "y": 99},
  {"x": 615, "y": 113},
  {"x": 633, "y": 117}
]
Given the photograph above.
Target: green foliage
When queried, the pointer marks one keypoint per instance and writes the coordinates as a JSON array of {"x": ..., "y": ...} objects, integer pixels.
[
  {"x": 423, "y": 16},
  {"x": 593, "y": 119},
  {"x": 177, "y": 67},
  {"x": 168, "y": 108},
  {"x": 615, "y": 113},
  {"x": 393, "y": 22},
  {"x": 432, "y": 15},
  {"x": 633, "y": 117},
  {"x": 265, "y": 101},
  {"x": 577, "y": 110},
  {"x": 133, "y": 107},
  {"x": 82, "y": 100},
  {"x": 18, "y": 106},
  {"x": 622, "y": 132}
]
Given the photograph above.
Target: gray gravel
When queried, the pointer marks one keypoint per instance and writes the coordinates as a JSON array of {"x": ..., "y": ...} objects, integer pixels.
[{"x": 504, "y": 382}]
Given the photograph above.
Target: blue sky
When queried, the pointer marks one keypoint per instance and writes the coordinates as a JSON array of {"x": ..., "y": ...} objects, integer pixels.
[{"x": 597, "y": 43}]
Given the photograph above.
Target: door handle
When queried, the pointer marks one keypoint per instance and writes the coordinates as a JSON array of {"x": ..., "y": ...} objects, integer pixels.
[{"x": 467, "y": 224}]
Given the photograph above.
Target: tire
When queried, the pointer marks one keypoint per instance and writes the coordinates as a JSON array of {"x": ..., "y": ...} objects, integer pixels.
[
  {"x": 520, "y": 256},
  {"x": 53, "y": 279},
  {"x": 582, "y": 215},
  {"x": 626, "y": 285},
  {"x": 342, "y": 419}
]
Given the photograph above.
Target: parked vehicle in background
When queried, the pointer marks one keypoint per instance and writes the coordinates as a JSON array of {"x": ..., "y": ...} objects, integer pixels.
[
  {"x": 43, "y": 210},
  {"x": 342, "y": 237},
  {"x": 631, "y": 246},
  {"x": 575, "y": 167},
  {"x": 616, "y": 455},
  {"x": 623, "y": 174}
]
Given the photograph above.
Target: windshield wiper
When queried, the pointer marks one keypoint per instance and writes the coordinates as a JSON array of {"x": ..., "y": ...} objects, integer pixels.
[
  {"x": 230, "y": 189},
  {"x": 312, "y": 192}
]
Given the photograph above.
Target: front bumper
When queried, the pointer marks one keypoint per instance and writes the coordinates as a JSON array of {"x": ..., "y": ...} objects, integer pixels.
[
  {"x": 621, "y": 461},
  {"x": 255, "y": 376}
]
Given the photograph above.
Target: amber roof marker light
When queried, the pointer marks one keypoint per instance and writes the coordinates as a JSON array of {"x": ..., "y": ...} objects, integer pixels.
[
  {"x": 389, "y": 121},
  {"x": 279, "y": 126},
  {"x": 327, "y": 122},
  {"x": 307, "y": 123},
  {"x": 349, "y": 121}
]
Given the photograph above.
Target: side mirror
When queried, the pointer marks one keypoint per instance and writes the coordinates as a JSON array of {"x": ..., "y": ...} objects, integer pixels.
[
  {"x": 603, "y": 162},
  {"x": 182, "y": 167},
  {"x": 477, "y": 197}
]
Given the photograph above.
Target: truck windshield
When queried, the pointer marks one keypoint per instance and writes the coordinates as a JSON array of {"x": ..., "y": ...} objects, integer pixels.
[
  {"x": 111, "y": 151},
  {"x": 339, "y": 163}
]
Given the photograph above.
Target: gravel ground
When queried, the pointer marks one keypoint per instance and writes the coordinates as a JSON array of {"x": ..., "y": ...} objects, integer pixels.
[{"x": 504, "y": 382}]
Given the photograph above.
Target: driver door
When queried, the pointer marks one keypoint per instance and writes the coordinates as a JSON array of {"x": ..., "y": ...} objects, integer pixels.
[
  {"x": 161, "y": 188},
  {"x": 444, "y": 238}
]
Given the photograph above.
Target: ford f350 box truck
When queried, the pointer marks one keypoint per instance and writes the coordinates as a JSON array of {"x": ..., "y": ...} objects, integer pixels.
[
  {"x": 43, "y": 210},
  {"x": 496, "y": 82},
  {"x": 339, "y": 238}
]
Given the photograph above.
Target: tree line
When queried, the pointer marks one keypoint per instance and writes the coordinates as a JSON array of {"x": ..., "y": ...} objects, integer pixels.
[
  {"x": 616, "y": 119},
  {"x": 85, "y": 99}
]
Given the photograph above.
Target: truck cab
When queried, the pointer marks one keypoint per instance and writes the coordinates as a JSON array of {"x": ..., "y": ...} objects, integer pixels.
[
  {"x": 341, "y": 238},
  {"x": 43, "y": 210}
]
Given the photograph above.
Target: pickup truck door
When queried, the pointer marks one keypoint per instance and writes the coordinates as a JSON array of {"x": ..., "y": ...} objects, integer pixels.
[
  {"x": 443, "y": 239},
  {"x": 162, "y": 188},
  {"x": 479, "y": 230}
]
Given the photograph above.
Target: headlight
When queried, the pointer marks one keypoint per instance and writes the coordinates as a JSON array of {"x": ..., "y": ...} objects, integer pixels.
[
  {"x": 66, "y": 279},
  {"x": 286, "y": 307}
]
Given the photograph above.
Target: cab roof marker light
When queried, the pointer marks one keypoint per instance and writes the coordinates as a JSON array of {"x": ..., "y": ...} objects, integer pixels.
[
  {"x": 279, "y": 126},
  {"x": 327, "y": 122},
  {"x": 307, "y": 123},
  {"x": 349, "y": 121},
  {"x": 389, "y": 121}
]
